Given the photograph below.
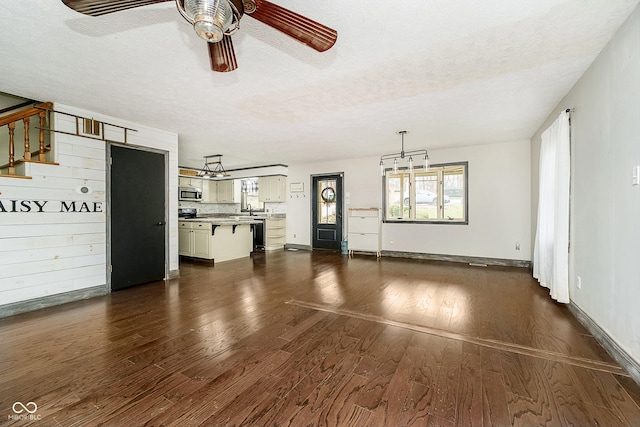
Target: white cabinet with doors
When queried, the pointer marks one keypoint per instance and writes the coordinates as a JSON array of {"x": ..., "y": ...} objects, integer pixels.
[
  {"x": 194, "y": 239},
  {"x": 364, "y": 234},
  {"x": 228, "y": 191},
  {"x": 272, "y": 189},
  {"x": 209, "y": 191},
  {"x": 184, "y": 181},
  {"x": 217, "y": 240}
]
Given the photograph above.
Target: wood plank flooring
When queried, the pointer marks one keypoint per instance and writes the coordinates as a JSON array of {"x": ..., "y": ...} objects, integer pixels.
[{"x": 314, "y": 339}]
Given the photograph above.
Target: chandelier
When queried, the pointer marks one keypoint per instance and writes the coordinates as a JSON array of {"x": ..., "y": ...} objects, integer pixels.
[
  {"x": 400, "y": 157},
  {"x": 217, "y": 170}
]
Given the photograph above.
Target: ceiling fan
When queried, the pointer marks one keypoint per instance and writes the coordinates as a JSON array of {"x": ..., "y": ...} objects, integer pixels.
[{"x": 216, "y": 20}]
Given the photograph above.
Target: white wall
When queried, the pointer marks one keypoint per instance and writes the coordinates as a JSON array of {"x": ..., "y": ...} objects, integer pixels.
[
  {"x": 605, "y": 206},
  {"x": 49, "y": 253},
  {"x": 499, "y": 203}
]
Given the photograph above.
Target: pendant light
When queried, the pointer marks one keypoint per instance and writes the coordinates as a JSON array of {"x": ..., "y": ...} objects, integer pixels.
[
  {"x": 216, "y": 170},
  {"x": 399, "y": 157}
]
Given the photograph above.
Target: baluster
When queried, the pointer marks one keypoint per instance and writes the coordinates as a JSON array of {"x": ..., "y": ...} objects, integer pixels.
[
  {"x": 27, "y": 148},
  {"x": 41, "y": 155},
  {"x": 12, "y": 156}
]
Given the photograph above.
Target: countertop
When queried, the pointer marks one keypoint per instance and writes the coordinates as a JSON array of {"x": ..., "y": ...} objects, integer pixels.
[{"x": 226, "y": 221}]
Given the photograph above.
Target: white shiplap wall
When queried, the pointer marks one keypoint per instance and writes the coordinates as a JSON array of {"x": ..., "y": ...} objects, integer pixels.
[{"x": 50, "y": 253}]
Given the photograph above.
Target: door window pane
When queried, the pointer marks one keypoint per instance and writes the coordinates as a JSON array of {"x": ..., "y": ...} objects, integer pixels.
[{"x": 327, "y": 199}]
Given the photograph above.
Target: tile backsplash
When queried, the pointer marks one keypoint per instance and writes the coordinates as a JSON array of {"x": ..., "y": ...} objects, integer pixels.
[{"x": 231, "y": 208}]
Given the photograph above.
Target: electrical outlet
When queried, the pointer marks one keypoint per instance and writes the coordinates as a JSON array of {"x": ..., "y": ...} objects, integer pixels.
[
  {"x": 517, "y": 246},
  {"x": 579, "y": 282},
  {"x": 294, "y": 235},
  {"x": 636, "y": 176}
]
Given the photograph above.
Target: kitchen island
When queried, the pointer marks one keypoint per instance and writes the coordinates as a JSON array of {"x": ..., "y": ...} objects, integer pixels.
[{"x": 216, "y": 239}]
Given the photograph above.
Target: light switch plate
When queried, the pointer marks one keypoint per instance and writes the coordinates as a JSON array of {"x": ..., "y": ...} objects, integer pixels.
[{"x": 636, "y": 175}]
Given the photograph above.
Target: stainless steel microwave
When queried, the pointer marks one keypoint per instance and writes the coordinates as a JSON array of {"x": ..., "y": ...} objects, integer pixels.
[{"x": 189, "y": 194}]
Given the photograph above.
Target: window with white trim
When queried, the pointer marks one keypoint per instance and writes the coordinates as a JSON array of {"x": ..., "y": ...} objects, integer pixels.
[{"x": 437, "y": 195}]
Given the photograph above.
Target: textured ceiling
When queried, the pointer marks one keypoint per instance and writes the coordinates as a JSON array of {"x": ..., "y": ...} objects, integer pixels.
[{"x": 451, "y": 73}]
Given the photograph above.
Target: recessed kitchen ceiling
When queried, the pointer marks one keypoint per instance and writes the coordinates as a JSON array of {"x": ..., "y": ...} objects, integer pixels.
[{"x": 452, "y": 73}]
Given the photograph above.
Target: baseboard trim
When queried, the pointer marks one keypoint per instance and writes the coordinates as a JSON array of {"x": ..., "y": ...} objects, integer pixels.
[
  {"x": 51, "y": 300},
  {"x": 631, "y": 366},
  {"x": 173, "y": 274},
  {"x": 460, "y": 258},
  {"x": 438, "y": 257},
  {"x": 297, "y": 247}
]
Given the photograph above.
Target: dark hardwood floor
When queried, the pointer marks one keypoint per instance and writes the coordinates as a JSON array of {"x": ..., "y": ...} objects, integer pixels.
[{"x": 314, "y": 339}]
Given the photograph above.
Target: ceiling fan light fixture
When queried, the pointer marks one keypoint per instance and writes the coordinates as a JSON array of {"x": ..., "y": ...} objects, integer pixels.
[{"x": 211, "y": 18}]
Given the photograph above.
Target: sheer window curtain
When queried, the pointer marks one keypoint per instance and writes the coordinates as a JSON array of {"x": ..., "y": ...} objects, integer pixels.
[{"x": 551, "y": 248}]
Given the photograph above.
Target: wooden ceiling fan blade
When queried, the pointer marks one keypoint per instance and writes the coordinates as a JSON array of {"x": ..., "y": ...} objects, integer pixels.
[
  {"x": 103, "y": 7},
  {"x": 301, "y": 28},
  {"x": 222, "y": 56}
]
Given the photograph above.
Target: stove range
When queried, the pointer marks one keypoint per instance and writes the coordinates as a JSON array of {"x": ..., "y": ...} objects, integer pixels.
[{"x": 187, "y": 212}]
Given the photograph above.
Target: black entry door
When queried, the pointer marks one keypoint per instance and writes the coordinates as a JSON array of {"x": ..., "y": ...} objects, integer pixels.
[
  {"x": 137, "y": 217},
  {"x": 327, "y": 211}
]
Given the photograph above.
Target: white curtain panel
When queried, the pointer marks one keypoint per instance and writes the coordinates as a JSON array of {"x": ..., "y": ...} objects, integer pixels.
[{"x": 551, "y": 249}]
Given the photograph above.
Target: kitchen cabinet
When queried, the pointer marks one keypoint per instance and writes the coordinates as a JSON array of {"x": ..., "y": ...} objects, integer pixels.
[
  {"x": 184, "y": 181},
  {"x": 209, "y": 191},
  {"x": 228, "y": 191},
  {"x": 194, "y": 239},
  {"x": 364, "y": 230},
  {"x": 201, "y": 239},
  {"x": 229, "y": 240},
  {"x": 275, "y": 233},
  {"x": 272, "y": 188},
  {"x": 184, "y": 239}
]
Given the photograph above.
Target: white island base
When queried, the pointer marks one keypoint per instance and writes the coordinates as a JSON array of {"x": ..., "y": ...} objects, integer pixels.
[{"x": 214, "y": 239}]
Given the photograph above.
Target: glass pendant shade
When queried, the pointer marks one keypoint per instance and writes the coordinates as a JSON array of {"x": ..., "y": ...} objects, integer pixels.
[
  {"x": 410, "y": 164},
  {"x": 211, "y": 18},
  {"x": 395, "y": 166}
]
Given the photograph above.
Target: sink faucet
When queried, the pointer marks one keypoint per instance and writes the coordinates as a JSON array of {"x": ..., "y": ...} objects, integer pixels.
[{"x": 250, "y": 209}]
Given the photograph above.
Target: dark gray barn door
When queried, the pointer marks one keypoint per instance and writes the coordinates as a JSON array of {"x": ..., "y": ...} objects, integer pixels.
[{"x": 137, "y": 217}]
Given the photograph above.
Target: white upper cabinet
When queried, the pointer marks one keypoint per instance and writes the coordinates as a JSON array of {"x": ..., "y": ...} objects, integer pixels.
[
  {"x": 228, "y": 191},
  {"x": 209, "y": 191},
  {"x": 272, "y": 188},
  {"x": 184, "y": 181}
]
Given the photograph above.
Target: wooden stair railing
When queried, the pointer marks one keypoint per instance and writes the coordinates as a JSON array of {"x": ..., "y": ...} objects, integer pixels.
[{"x": 39, "y": 110}]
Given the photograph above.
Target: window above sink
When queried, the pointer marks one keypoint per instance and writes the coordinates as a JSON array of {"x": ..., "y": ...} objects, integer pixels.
[{"x": 250, "y": 201}]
